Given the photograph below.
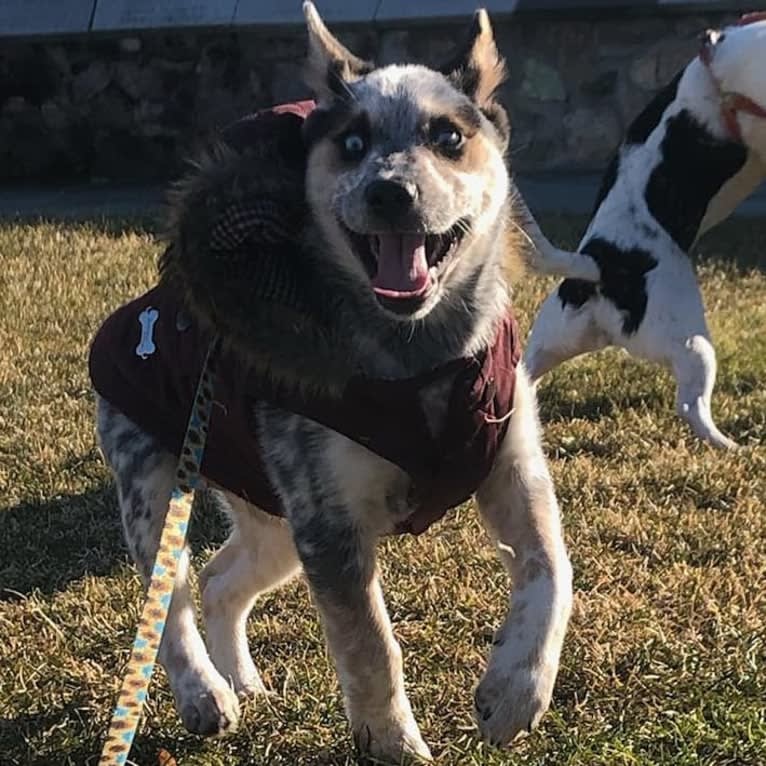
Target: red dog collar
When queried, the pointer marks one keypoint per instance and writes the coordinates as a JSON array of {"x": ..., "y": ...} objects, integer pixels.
[{"x": 732, "y": 103}]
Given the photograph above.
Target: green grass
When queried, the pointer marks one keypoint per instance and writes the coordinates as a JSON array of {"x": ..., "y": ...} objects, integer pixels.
[{"x": 665, "y": 660}]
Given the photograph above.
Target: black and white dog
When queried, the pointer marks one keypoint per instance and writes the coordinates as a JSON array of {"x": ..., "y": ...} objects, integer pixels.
[{"x": 687, "y": 161}]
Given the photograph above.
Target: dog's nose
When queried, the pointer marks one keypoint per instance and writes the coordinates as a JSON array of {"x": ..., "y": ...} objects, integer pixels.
[{"x": 390, "y": 199}]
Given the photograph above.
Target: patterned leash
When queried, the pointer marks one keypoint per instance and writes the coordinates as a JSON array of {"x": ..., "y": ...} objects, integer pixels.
[{"x": 153, "y": 618}]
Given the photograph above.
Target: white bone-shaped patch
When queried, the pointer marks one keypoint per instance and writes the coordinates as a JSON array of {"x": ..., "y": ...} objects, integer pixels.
[{"x": 146, "y": 346}]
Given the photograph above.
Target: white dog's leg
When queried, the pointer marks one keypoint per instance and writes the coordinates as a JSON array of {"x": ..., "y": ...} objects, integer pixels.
[
  {"x": 561, "y": 332},
  {"x": 519, "y": 509},
  {"x": 694, "y": 367},
  {"x": 258, "y": 556},
  {"x": 145, "y": 474}
]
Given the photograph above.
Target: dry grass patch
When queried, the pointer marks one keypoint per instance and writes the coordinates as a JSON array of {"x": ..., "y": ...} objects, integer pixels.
[{"x": 665, "y": 660}]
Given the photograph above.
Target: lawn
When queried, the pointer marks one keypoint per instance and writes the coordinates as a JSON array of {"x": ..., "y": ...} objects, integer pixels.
[{"x": 665, "y": 659}]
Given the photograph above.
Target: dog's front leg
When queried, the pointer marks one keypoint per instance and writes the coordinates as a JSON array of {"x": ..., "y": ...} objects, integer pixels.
[
  {"x": 518, "y": 507},
  {"x": 340, "y": 567},
  {"x": 337, "y": 550}
]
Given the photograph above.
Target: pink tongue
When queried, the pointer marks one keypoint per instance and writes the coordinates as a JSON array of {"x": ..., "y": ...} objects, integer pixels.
[{"x": 402, "y": 265}]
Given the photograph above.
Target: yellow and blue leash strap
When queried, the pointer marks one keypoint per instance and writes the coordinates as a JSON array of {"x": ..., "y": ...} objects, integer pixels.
[{"x": 143, "y": 655}]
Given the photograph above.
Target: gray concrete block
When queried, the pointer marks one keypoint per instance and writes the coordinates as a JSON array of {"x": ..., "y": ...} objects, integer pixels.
[
  {"x": 147, "y": 14},
  {"x": 290, "y": 12},
  {"x": 44, "y": 17},
  {"x": 412, "y": 10}
]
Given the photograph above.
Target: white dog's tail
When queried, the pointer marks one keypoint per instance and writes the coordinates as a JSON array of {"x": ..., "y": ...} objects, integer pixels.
[{"x": 543, "y": 256}]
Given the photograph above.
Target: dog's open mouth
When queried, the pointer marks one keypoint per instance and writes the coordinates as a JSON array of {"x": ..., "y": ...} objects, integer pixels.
[{"x": 404, "y": 268}]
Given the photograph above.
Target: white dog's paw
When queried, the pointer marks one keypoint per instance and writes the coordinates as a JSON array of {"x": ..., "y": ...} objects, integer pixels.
[
  {"x": 207, "y": 704},
  {"x": 513, "y": 696},
  {"x": 393, "y": 738},
  {"x": 721, "y": 441}
]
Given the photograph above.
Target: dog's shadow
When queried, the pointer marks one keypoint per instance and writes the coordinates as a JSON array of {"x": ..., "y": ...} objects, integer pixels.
[
  {"x": 557, "y": 406},
  {"x": 45, "y": 545},
  {"x": 737, "y": 244},
  {"x": 16, "y": 733}
]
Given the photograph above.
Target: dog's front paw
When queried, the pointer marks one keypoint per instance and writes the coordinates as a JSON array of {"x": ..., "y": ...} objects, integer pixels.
[
  {"x": 393, "y": 737},
  {"x": 207, "y": 706},
  {"x": 513, "y": 695}
]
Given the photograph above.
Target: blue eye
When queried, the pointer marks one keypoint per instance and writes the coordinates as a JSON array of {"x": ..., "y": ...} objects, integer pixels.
[
  {"x": 354, "y": 146},
  {"x": 444, "y": 135},
  {"x": 449, "y": 139}
]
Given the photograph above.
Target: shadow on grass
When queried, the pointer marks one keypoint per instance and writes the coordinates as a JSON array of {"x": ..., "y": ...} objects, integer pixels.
[
  {"x": 46, "y": 545},
  {"x": 20, "y": 738},
  {"x": 738, "y": 244},
  {"x": 38, "y": 739},
  {"x": 112, "y": 227},
  {"x": 556, "y": 405},
  {"x": 149, "y": 744},
  {"x": 115, "y": 228}
]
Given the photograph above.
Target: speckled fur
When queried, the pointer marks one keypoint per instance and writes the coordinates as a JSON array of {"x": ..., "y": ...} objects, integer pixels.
[{"x": 339, "y": 498}]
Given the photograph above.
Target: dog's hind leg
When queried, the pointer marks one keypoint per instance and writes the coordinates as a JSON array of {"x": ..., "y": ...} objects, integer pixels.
[
  {"x": 694, "y": 367},
  {"x": 258, "y": 556},
  {"x": 323, "y": 480},
  {"x": 145, "y": 474},
  {"x": 560, "y": 332},
  {"x": 519, "y": 510}
]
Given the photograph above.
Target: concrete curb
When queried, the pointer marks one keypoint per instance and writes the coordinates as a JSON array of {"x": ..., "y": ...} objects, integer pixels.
[
  {"x": 39, "y": 18},
  {"x": 571, "y": 194},
  {"x": 575, "y": 194}
]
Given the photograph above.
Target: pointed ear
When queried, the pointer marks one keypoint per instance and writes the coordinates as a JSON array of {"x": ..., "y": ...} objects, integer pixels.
[
  {"x": 478, "y": 70},
  {"x": 477, "y": 67},
  {"x": 330, "y": 65}
]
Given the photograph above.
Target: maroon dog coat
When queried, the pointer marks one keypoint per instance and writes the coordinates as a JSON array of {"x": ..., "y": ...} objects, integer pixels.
[
  {"x": 156, "y": 390},
  {"x": 147, "y": 357}
]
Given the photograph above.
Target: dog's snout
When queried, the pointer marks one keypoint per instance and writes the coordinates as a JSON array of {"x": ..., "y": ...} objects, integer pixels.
[{"x": 390, "y": 199}]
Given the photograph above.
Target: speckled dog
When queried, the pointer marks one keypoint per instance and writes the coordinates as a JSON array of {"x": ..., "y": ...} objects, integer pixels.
[{"x": 405, "y": 243}]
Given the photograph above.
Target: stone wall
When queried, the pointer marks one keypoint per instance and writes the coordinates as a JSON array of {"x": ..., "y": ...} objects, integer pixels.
[{"x": 129, "y": 108}]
